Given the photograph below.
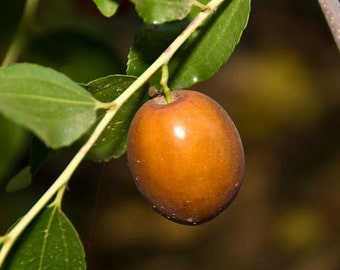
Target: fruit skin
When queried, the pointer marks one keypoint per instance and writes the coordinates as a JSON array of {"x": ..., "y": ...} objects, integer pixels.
[{"x": 186, "y": 157}]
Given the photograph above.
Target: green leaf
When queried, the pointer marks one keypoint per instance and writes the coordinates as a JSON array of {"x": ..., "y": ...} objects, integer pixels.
[
  {"x": 112, "y": 142},
  {"x": 209, "y": 47},
  {"x": 50, "y": 242},
  {"x": 150, "y": 42},
  {"x": 160, "y": 11},
  {"x": 48, "y": 103},
  {"x": 12, "y": 142},
  {"x": 107, "y": 7},
  {"x": 38, "y": 154},
  {"x": 19, "y": 181}
]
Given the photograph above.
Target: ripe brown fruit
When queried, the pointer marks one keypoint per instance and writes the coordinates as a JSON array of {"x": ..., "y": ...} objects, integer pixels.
[{"x": 186, "y": 157}]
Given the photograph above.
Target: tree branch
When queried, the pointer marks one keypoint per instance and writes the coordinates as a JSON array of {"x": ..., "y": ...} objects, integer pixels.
[{"x": 9, "y": 239}]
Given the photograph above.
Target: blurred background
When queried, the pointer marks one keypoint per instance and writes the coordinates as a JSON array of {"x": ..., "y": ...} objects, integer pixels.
[{"x": 281, "y": 87}]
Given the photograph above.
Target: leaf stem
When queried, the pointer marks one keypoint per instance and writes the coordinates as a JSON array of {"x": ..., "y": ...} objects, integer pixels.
[
  {"x": 59, "y": 197},
  {"x": 331, "y": 11},
  {"x": 62, "y": 180},
  {"x": 199, "y": 5},
  {"x": 164, "y": 83},
  {"x": 21, "y": 35}
]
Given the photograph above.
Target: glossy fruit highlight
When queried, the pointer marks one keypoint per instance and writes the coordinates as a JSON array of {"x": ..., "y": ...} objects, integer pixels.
[{"x": 186, "y": 157}]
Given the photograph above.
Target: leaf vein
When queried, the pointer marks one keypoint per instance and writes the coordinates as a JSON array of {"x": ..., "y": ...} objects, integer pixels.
[
  {"x": 43, "y": 249},
  {"x": 46, "y": 98}
]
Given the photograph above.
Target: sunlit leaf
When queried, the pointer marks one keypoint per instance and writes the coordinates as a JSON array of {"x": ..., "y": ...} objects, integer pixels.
[
  {"x": 50, "y": 242},
  {"x": 107, "y": 7},
  {"x": 112, "y": 142},
  {"x": 46, "y": 102},
  {"x": 209, "y": 47},
  {"x": 160, "y": 11}
]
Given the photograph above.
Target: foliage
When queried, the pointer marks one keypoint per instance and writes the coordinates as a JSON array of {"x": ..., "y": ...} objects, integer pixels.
[
  {"x": 50, "y": 242},
  {"x": 46, "y": 102},
  {"x": 202, "y": 55},
  {"x": 112, "y": 141},
  {"x": 107, "y": 7},
  {"x": 93, "y": 118}
]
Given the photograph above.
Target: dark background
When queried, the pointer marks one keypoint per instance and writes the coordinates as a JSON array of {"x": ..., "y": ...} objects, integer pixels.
[{"x": 282, "y": 89}]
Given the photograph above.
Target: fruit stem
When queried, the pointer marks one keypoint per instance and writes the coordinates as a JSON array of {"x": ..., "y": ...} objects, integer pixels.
[
  {"x": 164, "y": 83},
  {"x": 21, "y": 36}
]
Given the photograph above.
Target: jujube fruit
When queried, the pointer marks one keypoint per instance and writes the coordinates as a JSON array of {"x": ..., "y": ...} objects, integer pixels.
[{"x": 186, "y": 157}]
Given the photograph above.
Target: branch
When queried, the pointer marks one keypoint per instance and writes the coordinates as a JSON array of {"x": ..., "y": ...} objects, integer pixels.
[
  {"x": 331, "y": 10},
  {"x": 9, "y": 239}
]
